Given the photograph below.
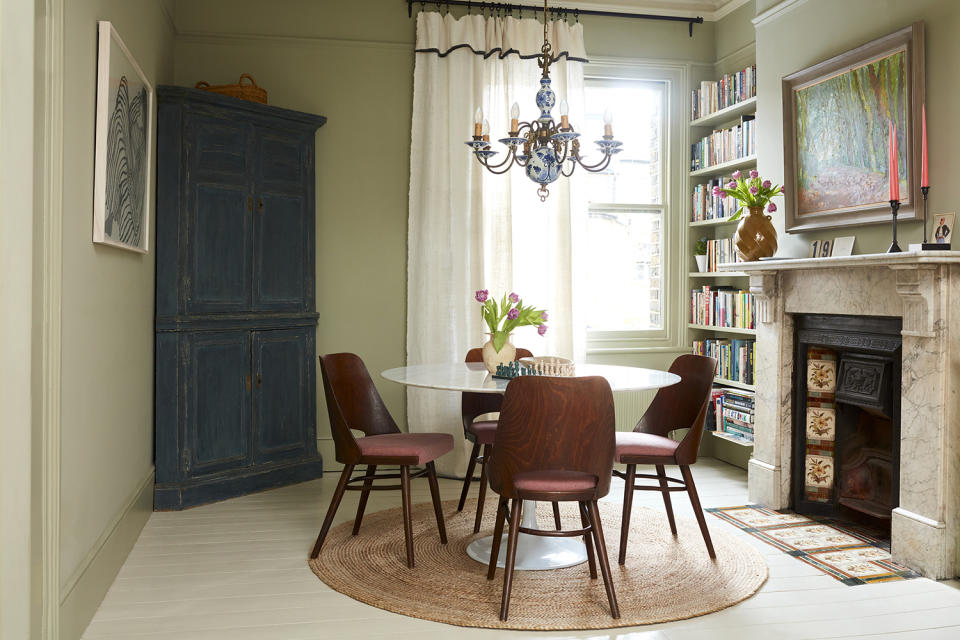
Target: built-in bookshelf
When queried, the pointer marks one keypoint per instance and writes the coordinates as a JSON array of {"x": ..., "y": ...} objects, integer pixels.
[{"x": 722, "y": 313}]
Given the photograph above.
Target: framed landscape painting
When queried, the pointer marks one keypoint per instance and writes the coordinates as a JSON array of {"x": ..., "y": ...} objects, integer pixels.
[
  {"x": 124, "y": 150},
  {"x": 836, "y": 122}
]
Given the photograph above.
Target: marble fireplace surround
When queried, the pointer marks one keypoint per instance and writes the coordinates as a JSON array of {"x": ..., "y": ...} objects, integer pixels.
[{"x": 918, "y": 287}]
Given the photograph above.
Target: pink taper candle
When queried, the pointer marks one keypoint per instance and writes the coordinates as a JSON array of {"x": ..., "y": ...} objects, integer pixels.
[
  {"x": 894, "y": 169},
  {"x": 924, "y": 175}
]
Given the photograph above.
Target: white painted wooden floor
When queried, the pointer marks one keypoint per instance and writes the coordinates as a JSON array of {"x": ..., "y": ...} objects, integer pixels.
[{"x": 237, "y": 570}]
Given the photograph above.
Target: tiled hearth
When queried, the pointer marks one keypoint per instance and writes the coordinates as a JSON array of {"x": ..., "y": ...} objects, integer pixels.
[{"x": 925, "y": 527}]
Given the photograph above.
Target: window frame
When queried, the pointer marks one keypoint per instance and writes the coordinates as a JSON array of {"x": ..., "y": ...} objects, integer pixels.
[{"x": 673, "y": 182}]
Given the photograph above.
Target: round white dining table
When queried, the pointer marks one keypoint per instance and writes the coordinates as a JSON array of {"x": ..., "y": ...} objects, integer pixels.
[{"x": 533, "y": 552}]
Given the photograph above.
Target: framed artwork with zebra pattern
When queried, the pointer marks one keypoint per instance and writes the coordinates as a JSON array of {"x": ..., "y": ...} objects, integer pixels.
[{"x": 123, "y": 160}]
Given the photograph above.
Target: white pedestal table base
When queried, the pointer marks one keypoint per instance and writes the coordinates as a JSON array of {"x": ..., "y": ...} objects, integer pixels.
[{"x": 534, "y": 553}]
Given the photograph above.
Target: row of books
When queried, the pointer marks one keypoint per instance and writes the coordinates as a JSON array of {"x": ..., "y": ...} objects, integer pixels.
[
  {"x": 733, "y": 413},
  {"x": 734, "y": 357},
  {"x": 723, "y": 307},
  {"x": 720, "y": 251},
  {"x": 707, "y": 206},
  {"x": 712, "y": 96},
  {"x": 725, "y": 145}
]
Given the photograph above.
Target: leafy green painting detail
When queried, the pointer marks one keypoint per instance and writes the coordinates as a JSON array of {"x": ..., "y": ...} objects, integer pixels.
[{"x": 842, "y": 136}]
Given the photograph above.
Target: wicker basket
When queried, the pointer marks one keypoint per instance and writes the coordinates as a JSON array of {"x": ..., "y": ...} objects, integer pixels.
[{"x": 240, "y": 90}]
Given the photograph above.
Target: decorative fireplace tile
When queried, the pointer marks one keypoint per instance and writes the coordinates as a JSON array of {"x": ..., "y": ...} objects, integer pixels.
[
  {"x": 819, "y": 471},
  {"x": 846, "y": 553},
  {"x": 821, "y": 376},
  {"x": 821, "y": 423}
]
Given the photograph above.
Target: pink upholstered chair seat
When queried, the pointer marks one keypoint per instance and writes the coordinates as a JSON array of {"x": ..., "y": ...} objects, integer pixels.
[
  {"x": 484, "y": 430},
  {"x": 566, "y": 482},
  {"x": 405, "y": 448},
  {"x": 635, "y": 446}
]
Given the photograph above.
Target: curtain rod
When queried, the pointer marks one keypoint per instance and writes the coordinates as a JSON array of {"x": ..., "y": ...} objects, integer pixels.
[{"x": 510, "y": 8}]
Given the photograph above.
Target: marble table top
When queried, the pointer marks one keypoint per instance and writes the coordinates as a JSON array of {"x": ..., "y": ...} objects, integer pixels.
[{"x": 473, "y": 376}]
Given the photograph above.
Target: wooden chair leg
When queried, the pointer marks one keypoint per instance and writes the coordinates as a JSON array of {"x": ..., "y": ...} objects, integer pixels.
[
  {"x": 332, "y": 509},
  {"x": 435, "y": 494},
  {"x": 497, "y": 536},
  {"x": 697, "y": 509},
  {"x": 407, "y": 523},
  {"x": 515, "y": 515},
  {"x": 662, "y": 474},
  {"x": 362, "y": 505},
  {"x": 467, "y": 479},
  {"x": 602, "y": 556},
  {"x": 556, "y": 516},
  {"x": 628, "y": 485},
  {"x": 585, "y": 521},
  {"x": 482, "y": 496}
]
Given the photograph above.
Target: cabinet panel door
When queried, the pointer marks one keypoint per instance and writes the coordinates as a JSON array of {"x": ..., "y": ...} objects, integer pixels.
[
  {"x": 219, "y": 272},
  {"x": 218, "y": 148},
  {"x": 217, "y": 386},
  {"x": 283, "y": 268},
  {"x": 284, "y": 422}
]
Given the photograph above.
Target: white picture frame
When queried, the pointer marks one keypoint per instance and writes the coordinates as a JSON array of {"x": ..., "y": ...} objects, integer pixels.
[
  {"x": 843, "y": 246},
  {"x": 123, "y": 155}
]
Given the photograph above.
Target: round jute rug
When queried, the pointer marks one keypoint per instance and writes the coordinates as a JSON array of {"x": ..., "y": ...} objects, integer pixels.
[{"x": 665, "y": 578}]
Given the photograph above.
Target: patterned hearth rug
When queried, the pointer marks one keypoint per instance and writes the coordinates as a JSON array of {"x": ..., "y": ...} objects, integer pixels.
[
  {"x": 848, "y": 554},
  {"x": 665, "y": 578}
]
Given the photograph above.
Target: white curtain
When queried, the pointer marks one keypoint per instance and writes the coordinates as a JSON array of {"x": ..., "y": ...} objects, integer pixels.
[{"x": 470, "y": 229}]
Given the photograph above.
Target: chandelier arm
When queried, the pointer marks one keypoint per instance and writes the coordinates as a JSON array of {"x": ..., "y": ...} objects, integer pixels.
[
  {"x": 600, "y": 166},
  {"x": 486, "y": 163},
  {"x": 573, "y": 167},
  {"x": 493, "y": 168}
]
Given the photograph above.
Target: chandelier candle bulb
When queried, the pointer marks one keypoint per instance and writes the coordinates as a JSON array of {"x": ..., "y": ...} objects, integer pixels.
[
  {"x": 478, "y": 123},
  {"x": 485, "y": 131},
  {"x": 514, "y": 119},
  {"x": 564, "y": 114},
  {"x": 607, "y": 124}
]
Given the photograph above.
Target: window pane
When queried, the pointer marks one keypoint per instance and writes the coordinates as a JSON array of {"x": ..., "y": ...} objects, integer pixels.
[
  {"x": 634, "y": 176},
  {"x": 623, "y": 270}
]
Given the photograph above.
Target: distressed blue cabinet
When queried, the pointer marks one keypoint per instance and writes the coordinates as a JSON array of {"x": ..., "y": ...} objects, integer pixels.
[{"x": 235, "y": 305}]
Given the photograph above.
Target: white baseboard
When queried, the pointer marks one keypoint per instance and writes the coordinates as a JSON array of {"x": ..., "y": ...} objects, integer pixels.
[{"x": 83, "y": 592}]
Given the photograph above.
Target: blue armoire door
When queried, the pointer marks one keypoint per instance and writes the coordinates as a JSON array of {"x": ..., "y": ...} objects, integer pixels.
[
  {"x": 218, "y": 386},
  {"x": 283, "y": 419}
]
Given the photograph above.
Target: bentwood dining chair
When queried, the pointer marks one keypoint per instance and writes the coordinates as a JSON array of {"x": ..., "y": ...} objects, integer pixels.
[
  {"x": 555, "y": 442},
  {"x": 680, "y": 406},
  {"x": 354, "y": 403},
  {"x": 482, "y": 433}
]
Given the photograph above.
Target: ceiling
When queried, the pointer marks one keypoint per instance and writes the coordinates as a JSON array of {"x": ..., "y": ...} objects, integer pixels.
[{"x": 708, "y": 9}]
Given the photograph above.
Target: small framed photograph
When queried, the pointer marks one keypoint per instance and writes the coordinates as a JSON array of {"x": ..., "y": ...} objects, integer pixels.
[
  {"x": 943, "y": 227},
  {"x": 843, "y": 246}
]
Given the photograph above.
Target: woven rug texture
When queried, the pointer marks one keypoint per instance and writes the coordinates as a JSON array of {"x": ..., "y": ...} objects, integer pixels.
[{"x": 665, "y": 578}]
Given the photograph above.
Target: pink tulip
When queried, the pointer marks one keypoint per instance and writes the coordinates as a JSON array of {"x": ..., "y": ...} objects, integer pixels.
[
  {"x": 482, "y": 295},
  {"x": 766, "y": 184},
  {"x": 753, "y": 173},
  {"x": 732, "y": 185},
  {"x": 542, "y": 329},
  {"x": 736, "y": 175},
  {"x": 771, "y": 208}
]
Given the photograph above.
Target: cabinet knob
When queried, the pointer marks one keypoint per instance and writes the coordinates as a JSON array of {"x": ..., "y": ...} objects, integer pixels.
[
  {"x": 258, "y": 379},
  {"x": 247, "y": 380},
  {"x": 259, "y": 204}
]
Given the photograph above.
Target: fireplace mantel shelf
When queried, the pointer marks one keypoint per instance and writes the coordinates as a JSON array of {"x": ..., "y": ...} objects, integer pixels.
[{"x": 892, "y": 260}]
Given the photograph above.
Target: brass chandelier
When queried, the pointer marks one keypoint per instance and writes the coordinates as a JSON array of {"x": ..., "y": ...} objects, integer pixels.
[{"x": 543, "y": 148}]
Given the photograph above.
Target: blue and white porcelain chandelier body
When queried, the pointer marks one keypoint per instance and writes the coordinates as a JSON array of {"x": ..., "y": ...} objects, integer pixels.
[{"x": 546, "y": 150}]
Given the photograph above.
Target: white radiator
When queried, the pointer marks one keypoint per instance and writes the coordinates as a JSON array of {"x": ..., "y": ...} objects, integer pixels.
[{"x": 629, "y": 406}]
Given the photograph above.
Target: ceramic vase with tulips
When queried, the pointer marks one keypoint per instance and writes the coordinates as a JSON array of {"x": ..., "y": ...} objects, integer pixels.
[
  {"x": 501, "y": 319},
  {"x": 756, "y": 236}
]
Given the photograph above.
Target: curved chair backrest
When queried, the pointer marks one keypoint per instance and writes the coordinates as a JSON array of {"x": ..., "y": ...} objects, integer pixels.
[
  {"x": 352, "y": 403},
  {"x": 554, "y": 424},
  {"x": 477, "y": 404},
  {"x": 683, "y": 405}
]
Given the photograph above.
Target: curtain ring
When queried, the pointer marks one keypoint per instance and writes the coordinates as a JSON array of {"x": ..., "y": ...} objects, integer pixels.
[{"x": 577, "y": 15}]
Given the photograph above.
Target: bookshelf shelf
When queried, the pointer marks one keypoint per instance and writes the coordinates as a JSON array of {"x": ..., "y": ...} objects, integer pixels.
[
  {"x": 734, "y": 330},
  {"x": 733, "y": 111},
  {"x": 735, "y": 384},
  {"x": 717, "y": 274},
  {"x": 716, "y": 222},
  {"x": 733, "y": 439},
  {"x": 723, "y": 167}
]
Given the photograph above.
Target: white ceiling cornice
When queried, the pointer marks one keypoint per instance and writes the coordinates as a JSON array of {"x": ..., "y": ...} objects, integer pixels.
[{"x": 710, "y": 10}]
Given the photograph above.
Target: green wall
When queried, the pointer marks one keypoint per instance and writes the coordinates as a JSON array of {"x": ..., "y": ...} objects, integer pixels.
[{"x": 812, "y": 31}]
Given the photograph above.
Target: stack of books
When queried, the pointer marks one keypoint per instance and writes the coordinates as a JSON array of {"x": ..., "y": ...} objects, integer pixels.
[
  {"x": 734, "y": 413},
  {"x": 712, "y": 96},
  {"x": 719, "y": 252},
  {"x": 724, "y": 145},
  {"x": 723, "y": 307},
  {"x": 734, "y": 357},
  {"x": 707, "y": 206}
]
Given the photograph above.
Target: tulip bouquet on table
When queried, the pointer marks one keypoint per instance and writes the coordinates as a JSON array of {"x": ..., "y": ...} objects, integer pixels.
[
  {"x": 506, "y": 316},
  {"x": 750, "y": 191}
]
